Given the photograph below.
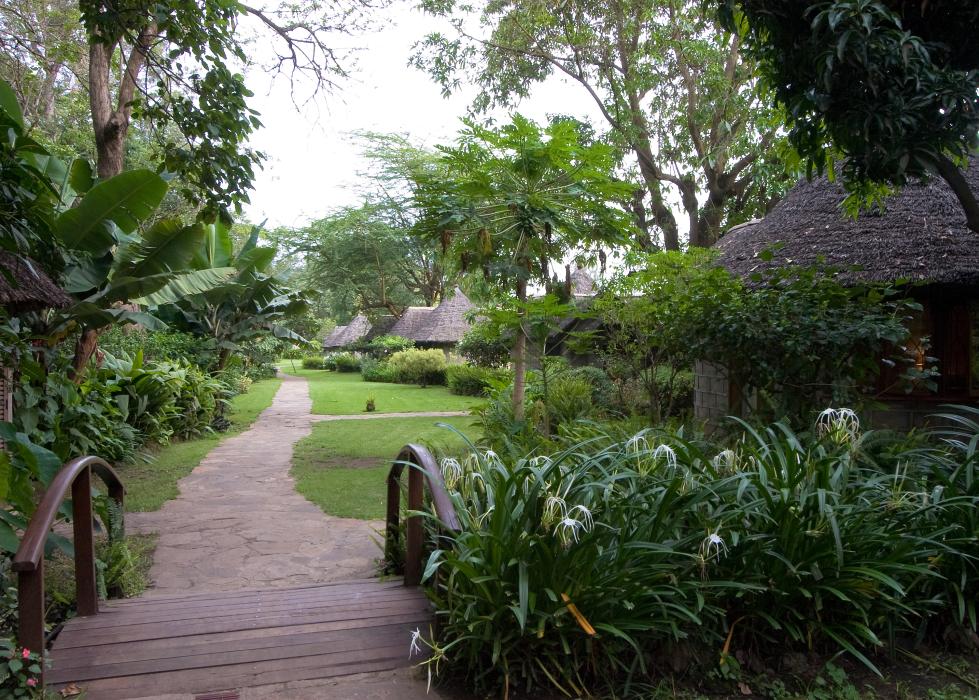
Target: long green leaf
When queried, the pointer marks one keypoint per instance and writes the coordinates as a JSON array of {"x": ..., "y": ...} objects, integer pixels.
[
  {"x": 167, "y": 247},
  {"x": 8, "y": 103},
  {"x": 188, "y": 284},
  {"x": 125, "y": 200}
]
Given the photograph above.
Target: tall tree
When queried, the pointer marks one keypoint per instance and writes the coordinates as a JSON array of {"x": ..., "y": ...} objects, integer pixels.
[
  {"x": 360, "y": 260},
  {"x": 176, "y": 62},
  {"x": 671, "y": 84},
  {"x": 517, "y": 199},
  {"x": 892, "y": 85}
]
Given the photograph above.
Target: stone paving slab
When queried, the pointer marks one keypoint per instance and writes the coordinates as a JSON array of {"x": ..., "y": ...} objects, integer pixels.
[{"x": 239, "y": 522}]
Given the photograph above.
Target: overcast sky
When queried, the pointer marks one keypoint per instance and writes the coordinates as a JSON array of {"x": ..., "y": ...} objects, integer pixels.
[{"x": 312, "y": 160}]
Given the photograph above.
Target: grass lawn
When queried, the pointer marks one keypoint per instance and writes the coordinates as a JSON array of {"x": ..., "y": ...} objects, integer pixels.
[
  {"x": 151, "y": 484},
  {"x": 339, "y": 393},
  {"x": 342, "y": 466}
]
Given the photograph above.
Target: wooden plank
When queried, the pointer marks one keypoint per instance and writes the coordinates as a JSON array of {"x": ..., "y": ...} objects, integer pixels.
[
  {"x": 101, "y": 655},
  {"x": 291, "y": 648},
  {"x": 149, "y": 686},
  {"x": 191, "y": 596},
  {"x": 118, "y": 619},
  {"x": 248, "y": 674},
  {"x": 71, "y": 638}
]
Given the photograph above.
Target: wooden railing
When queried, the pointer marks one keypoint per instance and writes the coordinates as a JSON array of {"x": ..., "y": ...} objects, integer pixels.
[
  {"x": 76, "y": 475},
  {"x": 422, "y": 469}
]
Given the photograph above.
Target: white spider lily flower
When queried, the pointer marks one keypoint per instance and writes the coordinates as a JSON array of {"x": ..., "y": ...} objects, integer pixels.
[
  {"x": 840, "y": 423},
  {"x": 637, "y": 444},
  {"x": 555, "y": 509},
  {"x": 713, "y": 546},
  {"x": 567, "y": 530},
  {"x": 415, "y": 648},
  {"x": 584, "y": 515},
  {"x": 570, "y": 527},
  {"x": 452, "y": 472},
  {"x": 725, "y": 459},
  {"x": 666, "y": 453}
]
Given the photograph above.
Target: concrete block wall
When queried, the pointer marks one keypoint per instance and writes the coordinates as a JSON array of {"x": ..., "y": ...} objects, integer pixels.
[{"x": 711, "y": 391}]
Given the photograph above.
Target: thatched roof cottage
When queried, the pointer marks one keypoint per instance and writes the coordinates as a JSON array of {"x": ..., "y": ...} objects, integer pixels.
[
  {"x": 440, "y": 327},
  {"x": 921, "y": 236}
]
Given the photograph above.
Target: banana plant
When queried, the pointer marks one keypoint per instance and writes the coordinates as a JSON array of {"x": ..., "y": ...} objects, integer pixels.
[
  {"x": 114, "y": 267},
  {"x": 252, "y": 304}
]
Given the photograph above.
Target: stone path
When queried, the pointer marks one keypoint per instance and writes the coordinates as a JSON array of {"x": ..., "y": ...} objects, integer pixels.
[{"x": 239, "y": 523}]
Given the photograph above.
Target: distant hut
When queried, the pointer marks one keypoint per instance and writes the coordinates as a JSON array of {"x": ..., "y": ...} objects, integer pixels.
[
  {"x": 581, "y": 291},
  {"x": 921, "y": 236},
  {"x": 24, "y": 287},
  {"x": 440, "y": 327},
  {"x": 444, "y": 326},
  {"x": 344, "y": 336}
]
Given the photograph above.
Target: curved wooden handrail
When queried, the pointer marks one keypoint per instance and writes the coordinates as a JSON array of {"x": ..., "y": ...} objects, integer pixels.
[
  {"x": 76, "y": 477},
  {"x": 422, "y": 469}
]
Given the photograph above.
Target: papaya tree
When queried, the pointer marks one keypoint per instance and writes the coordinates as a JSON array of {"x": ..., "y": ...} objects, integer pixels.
[{"x": 511, "y": 201}]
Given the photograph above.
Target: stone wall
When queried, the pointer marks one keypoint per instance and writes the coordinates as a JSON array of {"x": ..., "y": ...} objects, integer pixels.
[{"x": 711, "y": 392}]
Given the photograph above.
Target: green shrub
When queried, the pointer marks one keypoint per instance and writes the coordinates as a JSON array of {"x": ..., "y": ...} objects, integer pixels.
[
  {"x": 158, "y": 346},
  {"x": 314, "y": 362},
  {"x": 386, "y": 345},
  {"x": 422, "y": 367},
  {"x": 569, "y": 399},
  {"x": 342, "y": 362},
  {"x": 602, "y": 388},
  {"x": 483, "y": 347},
  {"x": 819, "y": 541},
  {"x": 373, "y": 370},
  {"x": 467, "y": 380}
]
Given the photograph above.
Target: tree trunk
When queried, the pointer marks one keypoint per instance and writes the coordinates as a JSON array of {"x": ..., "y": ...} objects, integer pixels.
[
  {"x": 85, "y": 347},
  {"x": 520, "y": 356},
  {"x": 960, "y": 186},
  {"x": 223, "y": 358}
]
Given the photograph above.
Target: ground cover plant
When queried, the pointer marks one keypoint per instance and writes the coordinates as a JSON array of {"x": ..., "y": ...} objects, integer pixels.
[
  {"x": 151, "y": 483},
  {"x": 590, "y": 568},
  {"x": 342, "y": 466},
  {"x": 335, "y": 393}
]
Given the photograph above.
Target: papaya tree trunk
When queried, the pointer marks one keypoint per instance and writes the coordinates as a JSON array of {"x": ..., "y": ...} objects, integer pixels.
[{"x": 520, "y": 356}]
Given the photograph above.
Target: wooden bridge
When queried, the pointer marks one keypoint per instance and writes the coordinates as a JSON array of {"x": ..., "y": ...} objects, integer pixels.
[{"x": 206, "y": 643}]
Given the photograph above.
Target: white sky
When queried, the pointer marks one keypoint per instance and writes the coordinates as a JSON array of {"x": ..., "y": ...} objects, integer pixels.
[{"x": 312, "y": 160}]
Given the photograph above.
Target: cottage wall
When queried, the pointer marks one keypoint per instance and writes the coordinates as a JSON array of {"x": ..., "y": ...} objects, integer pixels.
[{"x": 711, "y": 392}]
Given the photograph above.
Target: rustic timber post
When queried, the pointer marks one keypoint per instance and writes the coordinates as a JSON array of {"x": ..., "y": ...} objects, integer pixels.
[
  {"x": 86, "y": 592},
  {"x": 422, "y": 470},
  {"x": 75, "y": 476}
]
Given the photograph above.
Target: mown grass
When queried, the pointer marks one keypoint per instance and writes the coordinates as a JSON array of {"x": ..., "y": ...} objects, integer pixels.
[
  {"x": 342, "y": 465},
  {"x": 150, "y": 484},
  {"x": 338, "y": 393}
]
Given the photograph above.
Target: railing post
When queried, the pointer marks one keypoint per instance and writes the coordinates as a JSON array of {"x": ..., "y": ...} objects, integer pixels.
[
  {"x": 86, "y": 592},
  {"x": 391, "y": 534},
  {"x": 414, "y": 532},
  {"x": 30, "y": 608}
]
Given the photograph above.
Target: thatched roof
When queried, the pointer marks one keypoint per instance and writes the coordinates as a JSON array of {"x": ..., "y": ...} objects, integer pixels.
[
  {"x": 331, "y": 341},
  {"x": 410, "y": 322},
  {"x": 582, "y": 284},
  {"x": 443, "y": 325},
  {"x": 25, "y": 287},
  {"x": 446, "y": 323},
  {"x": 921, "y": 235},
  {"x": 343, "y": 336}
]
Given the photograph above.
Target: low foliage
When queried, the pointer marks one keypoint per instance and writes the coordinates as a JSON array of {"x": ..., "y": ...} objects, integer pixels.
[
  {"x": 572, "y": 570},
  {"x": 373, "y": 370},
  {"x": 422, "y": 367},
  {"x": 342, "y": 362},
  {"x": 483, "y": 346},
  {"x": 313, "y": 362},
  {"x": 469, "y": 380},
  {"x": 386, "y": 345}
]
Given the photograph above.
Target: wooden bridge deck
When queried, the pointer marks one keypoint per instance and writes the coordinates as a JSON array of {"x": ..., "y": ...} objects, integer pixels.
[{"x": 202, "y": 643}]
